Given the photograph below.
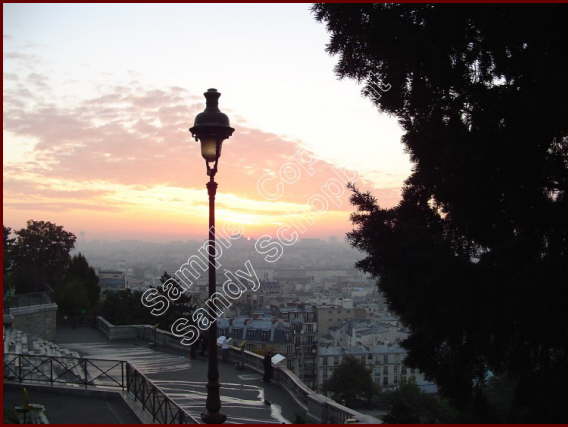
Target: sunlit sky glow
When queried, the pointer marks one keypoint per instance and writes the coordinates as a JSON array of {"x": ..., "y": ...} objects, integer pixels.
[{"x": 98, "y": 100}]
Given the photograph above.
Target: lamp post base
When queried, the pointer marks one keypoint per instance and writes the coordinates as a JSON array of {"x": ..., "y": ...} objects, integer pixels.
[{"x": 213, "y": 418}]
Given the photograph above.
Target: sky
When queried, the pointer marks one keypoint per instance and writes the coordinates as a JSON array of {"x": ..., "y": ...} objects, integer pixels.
[{"x": 98, "y": 100}]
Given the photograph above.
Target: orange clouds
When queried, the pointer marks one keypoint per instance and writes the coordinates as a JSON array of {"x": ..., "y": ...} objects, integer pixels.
[{"x": 123, "y": 163}]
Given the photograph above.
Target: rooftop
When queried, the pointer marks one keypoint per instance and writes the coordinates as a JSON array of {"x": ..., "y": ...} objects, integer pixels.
[{"x": 360, "y": 350}]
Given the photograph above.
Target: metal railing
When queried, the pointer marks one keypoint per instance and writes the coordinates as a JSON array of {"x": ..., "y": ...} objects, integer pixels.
[
  {"x": 102, "y": 373},
  {"x": 153, "y": 400},
  {"x": 321, "y": 408},
  {"x": 64, "y": 370}
]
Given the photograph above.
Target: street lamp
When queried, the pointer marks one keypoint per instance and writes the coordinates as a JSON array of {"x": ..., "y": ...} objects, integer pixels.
[{"x": 211, "y": 128}]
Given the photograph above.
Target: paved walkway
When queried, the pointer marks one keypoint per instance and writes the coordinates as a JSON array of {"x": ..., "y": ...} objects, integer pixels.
[
  {"x": 72, "y": 408},
  {"x": 244, "y": 397}
]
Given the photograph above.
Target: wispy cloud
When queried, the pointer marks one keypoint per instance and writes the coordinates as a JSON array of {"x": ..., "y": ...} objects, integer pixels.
[{"x": 129, "y": 145}]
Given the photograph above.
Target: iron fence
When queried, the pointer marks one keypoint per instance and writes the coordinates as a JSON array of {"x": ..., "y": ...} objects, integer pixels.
[
  {"x": 64, "y": 370},
  {"x": 117, "y": 374},
  {"x": 154, "y": 400}
]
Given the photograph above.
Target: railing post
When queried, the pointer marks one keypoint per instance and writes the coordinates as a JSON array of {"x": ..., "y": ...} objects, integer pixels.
[
  {"x": 130, "y": 381},
  {"x": 153, "y": 404},
  {"x": 19, "y": 367},
  {"x": 127, "y": 376},
  {"x": 51, "y": 370},
  {"x": 133, "y": 379},
  {"x": 85, "y": 371},
  {"x": 122, "y": 374}
]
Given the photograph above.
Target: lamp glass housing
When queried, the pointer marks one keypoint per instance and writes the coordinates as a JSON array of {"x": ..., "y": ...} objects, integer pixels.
[{"x": 210, "y": 148}]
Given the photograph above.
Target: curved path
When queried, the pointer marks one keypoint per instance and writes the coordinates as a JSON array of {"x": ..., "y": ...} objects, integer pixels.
[{"x": 244, "y": 397}]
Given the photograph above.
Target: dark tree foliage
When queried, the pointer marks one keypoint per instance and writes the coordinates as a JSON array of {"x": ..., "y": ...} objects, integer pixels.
[
  {"x": 409, "y": 405},
  {"x": 8, "y": 248},
  {"x": 182, "y": 307},
  {"x": 72, "y": 297},
  {"x": 474, "y": 258},
  {"x": 81, "y": 288},
  {"x": 7, "y": 257},
  {"x": 40, "y": 256},
  {"x": 351, "y": 383},
  {"x": 125, "y": 308}
]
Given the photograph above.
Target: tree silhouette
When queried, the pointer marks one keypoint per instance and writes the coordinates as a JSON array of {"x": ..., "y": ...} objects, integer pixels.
[
  {"x": 474, "y": 258},
  {"x": 8, "y": 248},
  {"x": 124, "y": 307},
  {"x": 409, "y": 405},
  {"x": 351, "y": 383},
  {"x": 72, "y": 297},
  {"x": 8, "y": 261},
  {"x": 40, "y": 256},
  {"x": 80, "y": 289}
]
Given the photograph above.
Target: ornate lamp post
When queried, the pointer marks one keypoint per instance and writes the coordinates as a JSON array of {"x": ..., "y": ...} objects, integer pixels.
[{"x": 211, "y": 128}]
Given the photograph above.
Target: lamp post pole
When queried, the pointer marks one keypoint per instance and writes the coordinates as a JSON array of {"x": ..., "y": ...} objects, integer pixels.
[
  {"x": 213, "y": 403},
  {"x": 211, "y": 128}
]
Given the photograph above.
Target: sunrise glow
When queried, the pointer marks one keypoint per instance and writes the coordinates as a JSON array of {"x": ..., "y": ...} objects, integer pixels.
[{"x": 96, "y": 122}]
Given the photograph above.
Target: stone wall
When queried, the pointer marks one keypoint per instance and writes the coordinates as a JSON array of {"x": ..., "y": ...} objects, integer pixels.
[
  {"x": 142, "y": 332},
  {"x": 319, "y": 408},
  {"x": 36, "y": 320}
]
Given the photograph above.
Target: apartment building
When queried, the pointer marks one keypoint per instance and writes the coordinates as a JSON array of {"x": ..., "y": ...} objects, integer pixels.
[{"x": 385, "y": 362}]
